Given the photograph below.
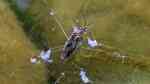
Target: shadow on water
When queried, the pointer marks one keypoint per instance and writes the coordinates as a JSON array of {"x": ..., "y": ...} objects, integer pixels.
[{"x": 51, "y": 78}]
